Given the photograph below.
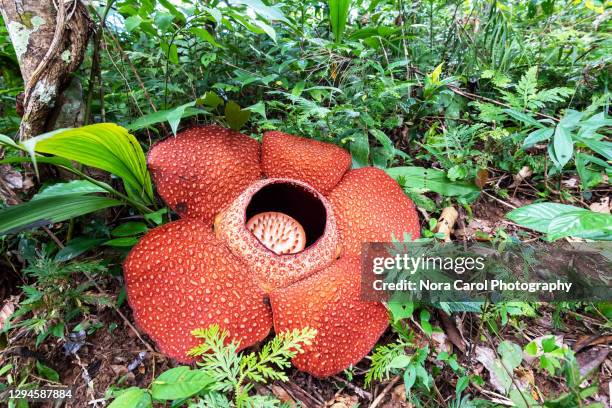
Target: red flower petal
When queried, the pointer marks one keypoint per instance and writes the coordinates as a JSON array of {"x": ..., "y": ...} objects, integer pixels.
[
  {"x": 371, "y": 207},
  {"x": 328, "y": 301},
  {"x": 319, "y": 164},
  {"x": 180, "y": 278},
  {"x": 291, "y": 197},
  {"x": 203, "y": 169}
]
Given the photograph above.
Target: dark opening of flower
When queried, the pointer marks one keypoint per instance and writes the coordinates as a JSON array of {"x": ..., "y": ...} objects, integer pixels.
[
  {"x": 300, "y": 204},
  {"x": 291, "y": 238}
]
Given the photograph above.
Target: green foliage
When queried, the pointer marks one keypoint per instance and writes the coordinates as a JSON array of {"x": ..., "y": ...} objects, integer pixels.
[
  {"x": 44, "y": 211},
  {"x": 59, "y": 293},
  {"x": 222, "y": 370},
  {"x": 338, "y": 15},
  {"x": 231, "y": 371},
  {"x": 561, "y": 220},
  {"x": 104, "y": 146}
]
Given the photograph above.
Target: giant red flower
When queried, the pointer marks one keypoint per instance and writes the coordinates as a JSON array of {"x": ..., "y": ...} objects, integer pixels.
[{"x": 270, "y": 235}]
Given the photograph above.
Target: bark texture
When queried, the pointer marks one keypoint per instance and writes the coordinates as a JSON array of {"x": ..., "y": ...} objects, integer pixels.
[{"x": 50, "y": 39}]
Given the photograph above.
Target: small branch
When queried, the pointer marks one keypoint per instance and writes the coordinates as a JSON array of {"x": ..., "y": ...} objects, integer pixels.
[{"x": 384, "y": 392}]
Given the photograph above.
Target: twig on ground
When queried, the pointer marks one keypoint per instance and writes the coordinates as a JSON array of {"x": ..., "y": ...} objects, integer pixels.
[
  {"x": 384, "y": 392},
  {"x": 358, "y": 390}
]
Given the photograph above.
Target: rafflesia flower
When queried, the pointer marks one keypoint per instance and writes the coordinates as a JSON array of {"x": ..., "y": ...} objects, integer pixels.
[{"x": 269, "y": 235}]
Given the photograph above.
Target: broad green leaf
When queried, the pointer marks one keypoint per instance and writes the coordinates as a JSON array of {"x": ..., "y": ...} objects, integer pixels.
[
  {"x": 180, "y": 382},
  {"x": 537, "y": 136},
  {"x": 431, "y": 180},
  {"x": 511, "y": 354},
  {"x": 105, "y": 146},
  {"x": 235, "y": 116},
  {"x": 122, "y": 242},
  {"x": 50, "y": 210},
  {"x": 173, "y": 54},
  {"x": 173, "y": 117},
  {"x": 133, "y": 397},
  {"x": 5, "y": 140},
  {"x": 409, "y": 378},
  {"x": 360, "y": 149},
  {"x": 384, "y": 140},
  {"x": 76, "y": 247},
  {"x": 401, "y": 361},
  {"x": 47, "y": 372},
  {"x": 211, "y": 99},
  {"x": 260, "y": 108},
  {"x": 522, "y": 117},
  {"x": 561, "y": 220},
  {"x": 601, "y": 147},
  {"x": 435, "y": 74},
  {"x": 539, "y": 216},
  {"x": 338, "y": 16},
  {"x": 563, "y": 145},
  {"x": 129, "y": 228},
  {"x": 71, "y": 187},
  {"x": 532, "y": 348},
  {"x": 583, "y": 224},
  {"x": 203, "y": 34},
  {"x": 132, "y": 22},
  {"x": 400, "y": 310}
]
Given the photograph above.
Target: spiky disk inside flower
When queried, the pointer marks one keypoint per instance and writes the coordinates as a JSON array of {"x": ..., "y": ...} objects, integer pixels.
[
  {"x": 203, "y": 169},
  {"x": 328, "y": 301},
  {"x": 371, "y": 207},
  {"x": 180, "y": 278},
  {"x": 317, "y": 163},
  {"x": 278, "y": 232},
  {"x": 299, "y": 201}
]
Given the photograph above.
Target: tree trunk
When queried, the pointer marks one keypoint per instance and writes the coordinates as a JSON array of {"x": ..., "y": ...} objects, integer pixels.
[{"x": 50, "y": 39}]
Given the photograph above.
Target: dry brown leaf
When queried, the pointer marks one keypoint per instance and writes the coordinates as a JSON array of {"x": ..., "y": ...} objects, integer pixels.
[
  {"x": 344, "y": 401},
  {"x": 601, "y": 206},
  {"x": 441, "y": 342},
  {"x": 7, "y": 310},
  {"x": 446, "y": 222},
  {"x": 587, "y": 341},
  {"x": 282, "y": 395},
  {"x": 590, "y": 360},
  {"x": 452, "y": 331},
  {"x": 522, "y": 175},
  {"x": 482, "y": 176}
]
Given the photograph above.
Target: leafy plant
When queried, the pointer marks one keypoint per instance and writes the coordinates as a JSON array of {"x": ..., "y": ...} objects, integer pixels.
[
  {"x": 561, "y": 220},
  {"x": 57, "y": 295},
  {"x": 221, "y": 370}
]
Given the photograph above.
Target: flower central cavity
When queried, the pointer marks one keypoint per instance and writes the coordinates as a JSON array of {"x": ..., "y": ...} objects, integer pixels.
[
  {"x": 285, "y": 217},
  {"x": 278, "y": 232}
]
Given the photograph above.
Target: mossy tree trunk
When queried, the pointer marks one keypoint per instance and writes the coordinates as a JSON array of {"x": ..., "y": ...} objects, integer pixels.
[{"x": 50, "y": 39}]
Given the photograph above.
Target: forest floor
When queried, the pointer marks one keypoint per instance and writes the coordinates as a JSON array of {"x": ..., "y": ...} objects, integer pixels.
[{"x": 118, "y": 356}]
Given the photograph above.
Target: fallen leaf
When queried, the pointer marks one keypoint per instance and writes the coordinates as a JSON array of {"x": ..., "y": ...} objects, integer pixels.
[
  {"x": 587, "y": 341},
  {"x": 441, "y": 342},
  {"x": 601, "y": 206},
  {"x": 589, "y": 360},
  {"x": 7, "y": 310},
  {"x": 446, "y": 222},
  {"x": 452, "y": 332},
  {"x": 482, "y": 176},
  {"x": 522, "y": 175},
  {"x": 498, "y": 376},
  {"x": 344, "y": 401},
  {"x": 282, "y": 395}
]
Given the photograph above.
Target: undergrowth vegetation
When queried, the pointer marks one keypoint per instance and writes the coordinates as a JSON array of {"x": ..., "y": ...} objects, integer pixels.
[{"x": 499, "y": 109}]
